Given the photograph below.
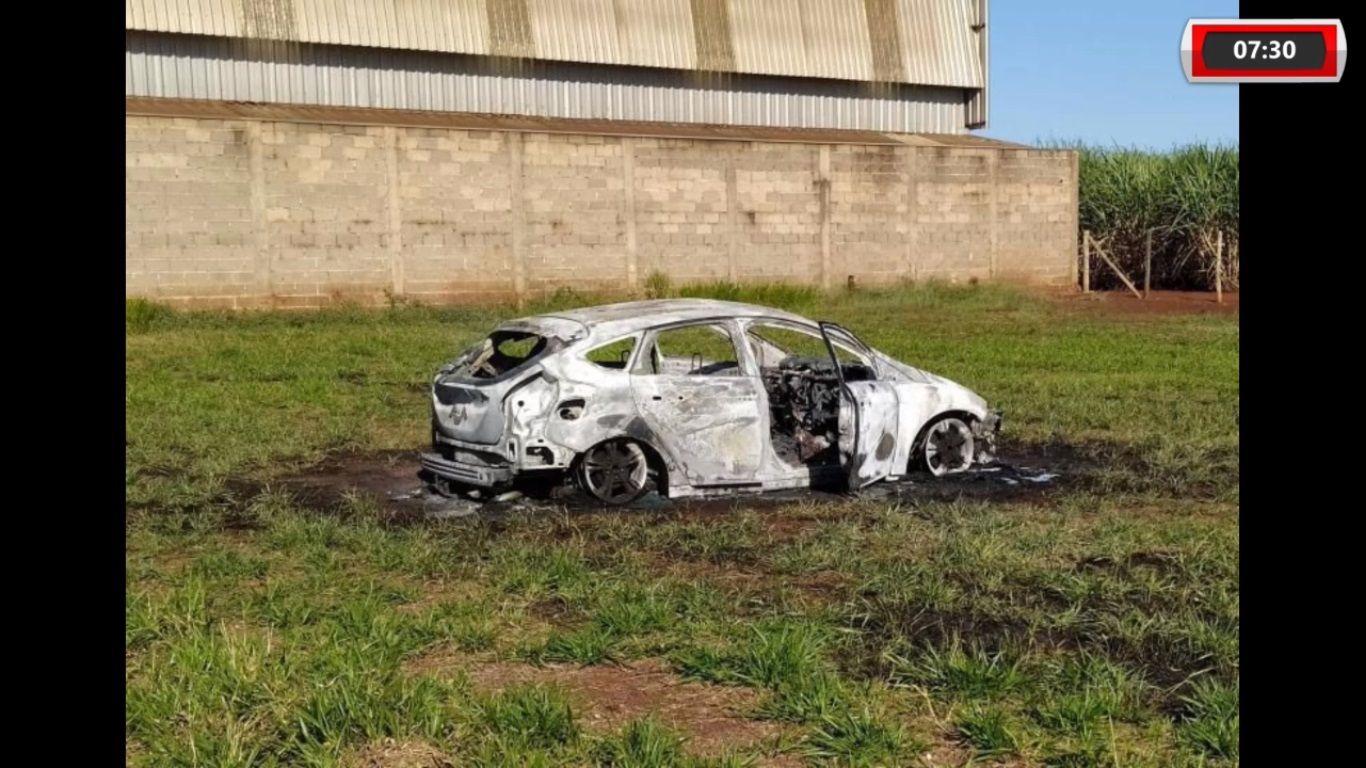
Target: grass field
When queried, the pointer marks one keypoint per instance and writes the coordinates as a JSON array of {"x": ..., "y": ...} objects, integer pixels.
[{"x": 1093, "y": 624}]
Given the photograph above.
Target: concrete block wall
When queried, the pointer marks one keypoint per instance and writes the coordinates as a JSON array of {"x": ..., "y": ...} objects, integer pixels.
[
  {"x": 245, "y": 213},
  {"x": 453, "y": 214},
  {"x": 680, "y": 208},
  {"x": 775, "y": 212}
]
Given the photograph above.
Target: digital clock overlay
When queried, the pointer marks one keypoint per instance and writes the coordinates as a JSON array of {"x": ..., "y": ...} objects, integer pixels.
[{"x": 1263, "y": 50}]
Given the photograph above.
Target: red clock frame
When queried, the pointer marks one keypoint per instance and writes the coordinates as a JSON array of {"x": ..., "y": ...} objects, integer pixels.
[{"x": 1193, "y": 43}]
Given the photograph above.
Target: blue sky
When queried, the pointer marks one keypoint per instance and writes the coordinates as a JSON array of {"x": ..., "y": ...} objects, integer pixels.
[{"x": 1103, "y": 72}]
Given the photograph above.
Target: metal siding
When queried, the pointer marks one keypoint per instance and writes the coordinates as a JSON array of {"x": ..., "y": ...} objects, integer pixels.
[
  {"x": 803, "y": 38},
  {"x": 938, "y": 45},
  {"x": 171, "y": 66}
]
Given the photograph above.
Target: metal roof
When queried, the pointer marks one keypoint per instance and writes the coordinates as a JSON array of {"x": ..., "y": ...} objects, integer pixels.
[
  {"x": 923, "y": 42},
  {"x": 180, "y": 66},
  {"x": 303, "y": 113},
  {"x": 634, "y": 316}
]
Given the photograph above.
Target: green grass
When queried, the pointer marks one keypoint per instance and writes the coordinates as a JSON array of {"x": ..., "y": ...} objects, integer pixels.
[
  {"x": 532, "y": 716},
  {"x": 643, "y": 744},
  {"x": 989, "y": 731},
  {"x": 1097, "y": 625},
  {"x": 1211, "y": 723},
  {"x": 858, "y": 738}
]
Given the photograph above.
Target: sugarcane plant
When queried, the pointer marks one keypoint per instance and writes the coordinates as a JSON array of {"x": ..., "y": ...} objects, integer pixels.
[{"x": 1187, "y": 198}]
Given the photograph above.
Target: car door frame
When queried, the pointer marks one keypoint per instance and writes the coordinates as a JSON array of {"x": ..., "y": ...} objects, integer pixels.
[
  {"x": 867, "y": 464},
  {"x": 747, "y": 372}
]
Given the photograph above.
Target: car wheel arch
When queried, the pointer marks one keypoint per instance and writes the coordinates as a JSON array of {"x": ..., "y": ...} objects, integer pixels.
[
  {"x": 918, "y": 447},
  {"x": 656, "y": 458}
]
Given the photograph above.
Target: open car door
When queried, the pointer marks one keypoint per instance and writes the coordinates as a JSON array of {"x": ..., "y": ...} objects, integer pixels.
[{"x": 868, "y": 409}]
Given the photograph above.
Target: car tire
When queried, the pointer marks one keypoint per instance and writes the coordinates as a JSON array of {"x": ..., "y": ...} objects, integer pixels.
[
  {"x": 614, "y": 472},
  {"x": 949, "y": 447}
]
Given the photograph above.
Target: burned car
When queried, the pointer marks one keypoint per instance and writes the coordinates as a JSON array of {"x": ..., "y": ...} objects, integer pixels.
[{"x": 693, "y": 397}]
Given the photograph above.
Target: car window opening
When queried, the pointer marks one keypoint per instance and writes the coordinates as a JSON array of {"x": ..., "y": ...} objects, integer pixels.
[
  {"x": 693, "y": 350},
  {"x": 803, "y": 391},
  {"x": 503, "y": 352},
  {"x": 613, "y": 355}
]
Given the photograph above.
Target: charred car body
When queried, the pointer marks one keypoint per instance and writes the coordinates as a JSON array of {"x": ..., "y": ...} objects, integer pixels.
[{"x": 699, "y": 397}]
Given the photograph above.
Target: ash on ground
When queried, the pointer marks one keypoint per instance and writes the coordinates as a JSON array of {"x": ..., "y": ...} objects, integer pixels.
[{"x": 1001, "y": 480}]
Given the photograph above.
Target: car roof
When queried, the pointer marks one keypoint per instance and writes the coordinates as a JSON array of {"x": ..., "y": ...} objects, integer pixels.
[{"x": 612, "y": 320}]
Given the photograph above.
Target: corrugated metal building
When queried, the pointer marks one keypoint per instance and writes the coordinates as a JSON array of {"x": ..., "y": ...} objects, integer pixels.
[
  {"x": 904, "y": 66},
  {"x": 293, "y": 153}
]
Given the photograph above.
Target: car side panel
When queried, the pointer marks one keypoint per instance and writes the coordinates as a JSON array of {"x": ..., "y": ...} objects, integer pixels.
[
  {"x": 608, "y": 407},
  {"x": 609, "y": 411},
  {"x": 920, "y": 404},
  {"x": 711, "y": 423}
]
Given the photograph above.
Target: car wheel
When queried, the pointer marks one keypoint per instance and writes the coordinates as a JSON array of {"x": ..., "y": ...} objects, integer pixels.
[
  {"x": 949, "y": 447},
  {"x": 614, "y": 472}
]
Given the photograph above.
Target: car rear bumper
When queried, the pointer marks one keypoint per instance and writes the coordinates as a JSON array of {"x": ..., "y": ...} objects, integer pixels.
[{"x": 462, "y": 472}]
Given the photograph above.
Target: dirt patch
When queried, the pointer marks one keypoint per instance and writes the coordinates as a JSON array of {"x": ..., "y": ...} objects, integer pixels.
[
  {"x": 554, "y": 611},
  {"x": 1157, "y": 303},
  {"x": 434, "y": 593},
  {"x": 444, "y": 662},
  {"x": 830, "y": 585},
  {"x": 608, "y": 697},
  {"x": 945, "y": 751},
  {"x": 397, "y": 754}
]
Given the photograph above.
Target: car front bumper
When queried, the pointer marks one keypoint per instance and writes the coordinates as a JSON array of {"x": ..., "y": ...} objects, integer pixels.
[{"x": 985, "y": 432}]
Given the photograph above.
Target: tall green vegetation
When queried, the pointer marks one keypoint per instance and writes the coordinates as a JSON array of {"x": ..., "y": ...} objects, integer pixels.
[{"x": 1186, "y": 197}]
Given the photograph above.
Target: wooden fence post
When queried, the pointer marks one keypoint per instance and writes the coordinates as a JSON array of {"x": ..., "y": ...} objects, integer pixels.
[
  {"x": 1105, "y": 257},
  {"x": 1219, "y": 267},
  {"x": 1148, "y": 266},
  {"x": 1086, "y": 261}
]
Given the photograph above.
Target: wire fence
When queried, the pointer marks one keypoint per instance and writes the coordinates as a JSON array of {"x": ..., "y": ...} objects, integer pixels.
[{"x": 1172, "y": 216}]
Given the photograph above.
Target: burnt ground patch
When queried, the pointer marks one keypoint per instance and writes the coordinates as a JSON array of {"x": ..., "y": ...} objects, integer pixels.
[
  {"x": 391, "y": 480},
  {"x": 556, "y": 612},
  {"x": 1166, "y": 657},
  {"x": 886, "y": 626},
  {"x": 334, "y": 481},
  {"x": 1160, "y": 561}
]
